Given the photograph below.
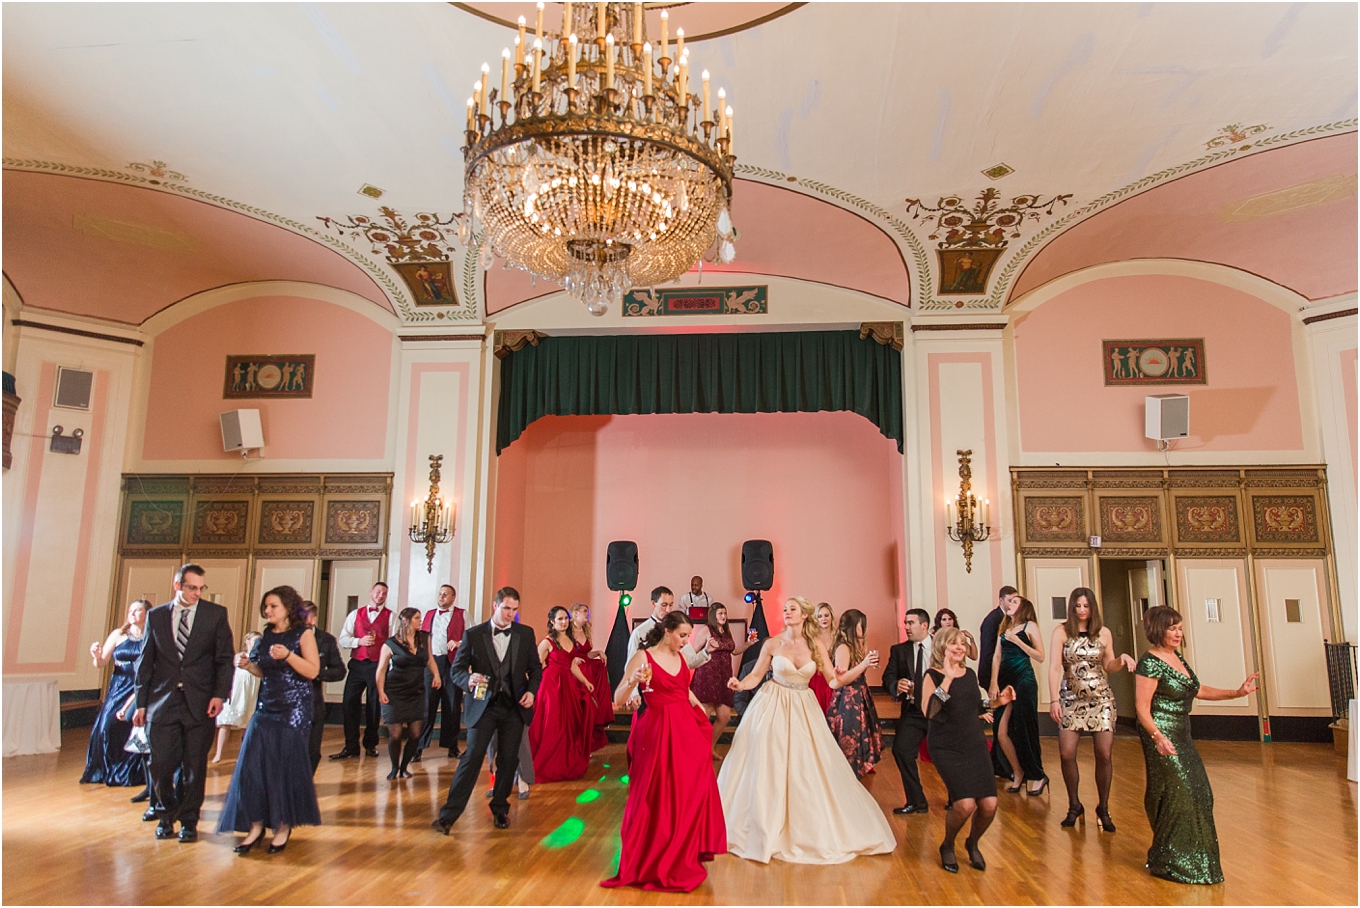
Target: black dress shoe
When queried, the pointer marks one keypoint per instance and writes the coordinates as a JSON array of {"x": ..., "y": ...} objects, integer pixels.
[
  {"x": 188, "y": 834},
  {"x": 454, "y": 753},
  {"x": 149, "y": 815},
  {"x": 911, "y": 808},
  {"x": 371, "y": 751},
  {"x": 949, "y": 863},
  {"x": 975, "y": 858},
  {"x": 345, "y": 754},
  {"x": 244, "y": 847},
  {"x": 440, "y": 827},
  {"x": 501, "y": 820},
  {"x": 141, "y": 796},
  {"x": 165, "y": 830},
  {"x": 275, "y": 849},
  {"x": 416, "y": 758}
]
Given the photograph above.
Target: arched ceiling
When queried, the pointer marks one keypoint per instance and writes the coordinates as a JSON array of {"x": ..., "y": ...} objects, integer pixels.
[
  {"x": 1280, "y": 214},
  {"x": 283, "y": 112},
  {"x": 135, "y": 251}
]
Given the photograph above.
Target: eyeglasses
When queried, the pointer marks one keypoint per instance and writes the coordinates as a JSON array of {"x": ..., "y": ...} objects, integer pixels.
[{"x": 188, "y": 588}]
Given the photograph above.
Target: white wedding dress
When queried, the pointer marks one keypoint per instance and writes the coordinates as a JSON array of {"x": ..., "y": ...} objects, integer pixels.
[{"x": 787, "y": 790}]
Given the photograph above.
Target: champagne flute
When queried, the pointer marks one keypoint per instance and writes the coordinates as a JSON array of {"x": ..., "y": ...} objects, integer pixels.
[{"x": 646, "y": 678}]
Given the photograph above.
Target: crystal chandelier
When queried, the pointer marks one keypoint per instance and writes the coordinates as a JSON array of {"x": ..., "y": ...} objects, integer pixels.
[{"x": 592, "y": 165}]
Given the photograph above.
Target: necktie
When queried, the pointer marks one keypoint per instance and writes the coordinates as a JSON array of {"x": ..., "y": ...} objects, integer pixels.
[
  {"x": 182, "y": 631},
  {"x": 916, "y": 678}
]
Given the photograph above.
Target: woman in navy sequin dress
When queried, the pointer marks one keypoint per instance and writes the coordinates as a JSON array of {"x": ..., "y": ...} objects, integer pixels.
[
  {"x": 272, "y": 785},
  {"x": 107, "y": 761}
]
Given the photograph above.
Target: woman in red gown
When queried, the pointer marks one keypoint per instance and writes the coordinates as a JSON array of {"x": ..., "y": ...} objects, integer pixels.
[
  {"x": 596, "y": 671},
  {"x": 826, "y": 632},
  {"x": 559, "y": 736},
  {"x": 673, "y": 820}
]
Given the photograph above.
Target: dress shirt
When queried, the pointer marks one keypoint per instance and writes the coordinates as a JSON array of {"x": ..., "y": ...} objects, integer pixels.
[
  {"x": 924, "y": 647},
  {"x": 689, "y": 601},
  {"x": 439, "y": 631},
  {"x": 692, "y": 658},
  {"x": 347, "y": 638},
  {"x": 175, "y": 613},
  {"x": 500, "y": 641}
]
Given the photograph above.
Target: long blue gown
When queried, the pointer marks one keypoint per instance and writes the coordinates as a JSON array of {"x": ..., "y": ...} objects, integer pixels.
[
  {"x": 272, "y": 782},
  {"x": 106, "y": 761}
]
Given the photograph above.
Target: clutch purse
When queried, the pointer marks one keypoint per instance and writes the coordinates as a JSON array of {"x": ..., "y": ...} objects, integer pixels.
[{"x": 137, "y": 742}]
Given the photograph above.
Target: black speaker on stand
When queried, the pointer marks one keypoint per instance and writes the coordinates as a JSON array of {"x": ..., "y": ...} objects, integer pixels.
[
  {"x": 621, "y": 572},
  {"x": 757, "y": 574}
]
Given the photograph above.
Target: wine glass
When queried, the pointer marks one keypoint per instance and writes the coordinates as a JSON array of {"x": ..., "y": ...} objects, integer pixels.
[{"x": 646, "y": 678}]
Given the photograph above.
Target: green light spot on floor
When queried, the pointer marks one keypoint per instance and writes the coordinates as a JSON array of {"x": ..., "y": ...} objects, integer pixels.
[
  {"x": 602, "y": 778},
  {"x": 614, "y": 862},
  {"x": 606, "y": 766},
  {"x": 587, "y": 796},
  {"x": 565, "y": 834},
  {"x": 624, "y": 780}
]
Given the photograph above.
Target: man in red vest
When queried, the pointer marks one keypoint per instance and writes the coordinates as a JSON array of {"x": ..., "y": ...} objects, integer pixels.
[
  {"x": 443, "y": 626},
  {"x": 366, "y": 630}
]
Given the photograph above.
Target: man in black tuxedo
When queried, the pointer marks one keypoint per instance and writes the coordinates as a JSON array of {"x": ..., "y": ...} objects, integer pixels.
[
  {"x": 183, "y": 675},
  {"x": 497, "y": 662},
  {"x": 987, "y": 634},
  {"x": 332, "y": 669},
  {"x": 907, "y": 664}
]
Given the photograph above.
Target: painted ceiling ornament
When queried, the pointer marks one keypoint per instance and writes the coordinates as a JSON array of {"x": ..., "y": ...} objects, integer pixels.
[
  {"x": 1234, "y": 133},
  {"x": 158, "y": 171},
  {"x": 429, "y": 239},
  {"x": 593, "y": 165},
  {"x": 973, "y": 239}
]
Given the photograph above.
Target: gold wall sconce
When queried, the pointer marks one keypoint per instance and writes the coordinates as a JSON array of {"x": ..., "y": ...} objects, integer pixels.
[
  {"x": 967, "y": 520},
  {"x": 432, "y": 519}
]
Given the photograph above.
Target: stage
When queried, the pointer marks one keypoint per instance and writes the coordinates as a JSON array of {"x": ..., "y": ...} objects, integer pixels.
[{"x": 1286, "y": 818}]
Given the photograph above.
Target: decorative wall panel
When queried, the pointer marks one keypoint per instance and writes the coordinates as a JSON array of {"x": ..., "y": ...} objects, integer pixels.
[{"x": 1130, "y": 519}]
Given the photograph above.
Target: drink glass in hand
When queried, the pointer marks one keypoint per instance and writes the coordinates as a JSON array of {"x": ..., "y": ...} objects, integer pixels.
[
  {"x": 646, "y": 678},
  {"x": 752, "y": 636}
]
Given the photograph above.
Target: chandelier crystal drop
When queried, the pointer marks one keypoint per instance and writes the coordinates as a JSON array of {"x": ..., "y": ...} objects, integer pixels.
[{"x": 592, "y": 165}]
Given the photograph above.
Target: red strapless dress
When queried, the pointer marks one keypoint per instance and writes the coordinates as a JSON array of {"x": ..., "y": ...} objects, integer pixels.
[
  {"x": 822, "y": 691},
  {"x": 559, "y": 736},
  {"x": 601, "y": 708},
  {"x": 673, "y": 819}
]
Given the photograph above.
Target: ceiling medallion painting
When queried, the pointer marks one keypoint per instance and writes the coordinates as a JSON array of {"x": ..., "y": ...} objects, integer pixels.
[
  {"x": 1234, "y": 133},
  {"x": 975, "y": 237},
  {"x": 420, "y": 252},
  {"x": 594, "y": 166},
  {"x": 157, "y": 172}
]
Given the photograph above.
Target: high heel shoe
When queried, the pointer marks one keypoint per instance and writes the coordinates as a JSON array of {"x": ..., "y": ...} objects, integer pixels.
[
  {"x": 141, "y": 796},
  {"x": 275, "y": 849},
  {"x": 244, "y": 848},
  {"x": 1015, "y": 789},
  {"x": 1103, "y": 819},
  {"x": 975, "y": 858},
  {"x": 950, "y": 863},
  {"x": 1073, "y": 814},
  {"x": 1043, "y": 783},
  {"x": 393, "y": 773}
]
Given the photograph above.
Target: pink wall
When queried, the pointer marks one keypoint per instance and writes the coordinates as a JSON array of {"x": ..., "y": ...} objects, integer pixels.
[
  {"x": 1251, "y": 401},
  {"x": 689, "y": 489},
  {"x": 346, "y": 417}
]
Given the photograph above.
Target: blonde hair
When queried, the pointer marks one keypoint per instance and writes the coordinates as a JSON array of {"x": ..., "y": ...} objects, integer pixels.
[
  {"x": 585, "y": 625},
  {"x": 943, "y": 637},
  {"x": 810, "y": 629}
]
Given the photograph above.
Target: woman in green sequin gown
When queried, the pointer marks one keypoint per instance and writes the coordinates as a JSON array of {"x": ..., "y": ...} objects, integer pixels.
[{"x": 1179, "y": 801}]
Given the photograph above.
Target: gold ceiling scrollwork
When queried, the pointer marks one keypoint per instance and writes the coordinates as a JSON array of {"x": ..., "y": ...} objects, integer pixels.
[
  {"x": 503, "y": 343},
  {"x": 420, "y": 249}
]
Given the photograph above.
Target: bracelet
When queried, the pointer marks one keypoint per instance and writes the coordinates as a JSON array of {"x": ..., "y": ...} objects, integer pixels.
[{"x": 942, "y": 694}]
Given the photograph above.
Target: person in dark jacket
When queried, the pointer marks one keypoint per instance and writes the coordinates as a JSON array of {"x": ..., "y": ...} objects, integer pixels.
[
  {"x": 332, "y": 669},
  {"x": 991, "y": 628}
]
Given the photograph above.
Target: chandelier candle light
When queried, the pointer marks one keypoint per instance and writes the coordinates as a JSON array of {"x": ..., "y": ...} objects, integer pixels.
[
  {"x": 432, "y": 519},
  {"x": 592, "y": 165},
  {"x": 967, "y": 520}
]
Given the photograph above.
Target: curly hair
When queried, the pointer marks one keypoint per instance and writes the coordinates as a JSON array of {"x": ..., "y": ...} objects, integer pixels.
[
  {"x": 292, "y": 604},
  {"x": 553, "y": 633},
  {"x": 667, "y": 624},
  {"x": 940, "y": 642},
  {"x": 810, "y": 628},
  {"x": 940, "y": 614},
  {"x": 585, "y": 625}
]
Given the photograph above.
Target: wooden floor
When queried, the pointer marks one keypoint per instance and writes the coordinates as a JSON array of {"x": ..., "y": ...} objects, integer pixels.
[{"x": 1286, "y": 818}]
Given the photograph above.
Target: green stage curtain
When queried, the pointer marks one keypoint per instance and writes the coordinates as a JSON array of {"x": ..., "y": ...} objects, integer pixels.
[{"x": 806, "y": 371}]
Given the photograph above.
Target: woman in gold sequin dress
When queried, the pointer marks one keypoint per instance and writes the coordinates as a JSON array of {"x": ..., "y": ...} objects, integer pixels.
[
  {"x": 1179, "y": 801},
  {"x": 1080, "y": 699}
]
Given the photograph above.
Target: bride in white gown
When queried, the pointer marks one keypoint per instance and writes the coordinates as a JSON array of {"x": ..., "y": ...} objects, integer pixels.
[{"x": 787, "y": 790}]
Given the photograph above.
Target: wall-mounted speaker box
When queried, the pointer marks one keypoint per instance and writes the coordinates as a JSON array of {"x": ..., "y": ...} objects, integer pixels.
[
  {"x": 73, "y": 389},
  {"x": 241, "y": 430},
  {"x": 1166, "y": 416},
  {"x": 757, "y": 564},
  {"x": 621, "y": 566}
]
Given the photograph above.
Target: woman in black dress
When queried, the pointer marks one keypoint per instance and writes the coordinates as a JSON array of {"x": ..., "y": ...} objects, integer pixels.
[
  {"x": 1017, "y": 728},
  {"x": 955, "y": 707},
  {"x": 106, "y": 760},
  {"x": 401, "y": 689},
  {"x": 272, "y": 785}
]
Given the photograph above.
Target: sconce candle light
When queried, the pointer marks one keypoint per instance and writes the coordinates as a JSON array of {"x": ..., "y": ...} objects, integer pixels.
[
  {"x": 432, "y": 519},
  {"x": 967, "y": 520}
]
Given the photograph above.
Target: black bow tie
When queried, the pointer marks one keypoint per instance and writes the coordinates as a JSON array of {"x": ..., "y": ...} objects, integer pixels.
[{"x": 498, "y": 632}]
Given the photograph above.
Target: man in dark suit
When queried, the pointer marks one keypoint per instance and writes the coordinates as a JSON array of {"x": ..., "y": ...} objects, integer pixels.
[
  {"x": 332, "y": 669},
  {"x": 183, "y": 675},
  {"x": 987, "y": 634},
  {"x": 497, "y": 663},
  {"x": 907, "y": 664}
]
